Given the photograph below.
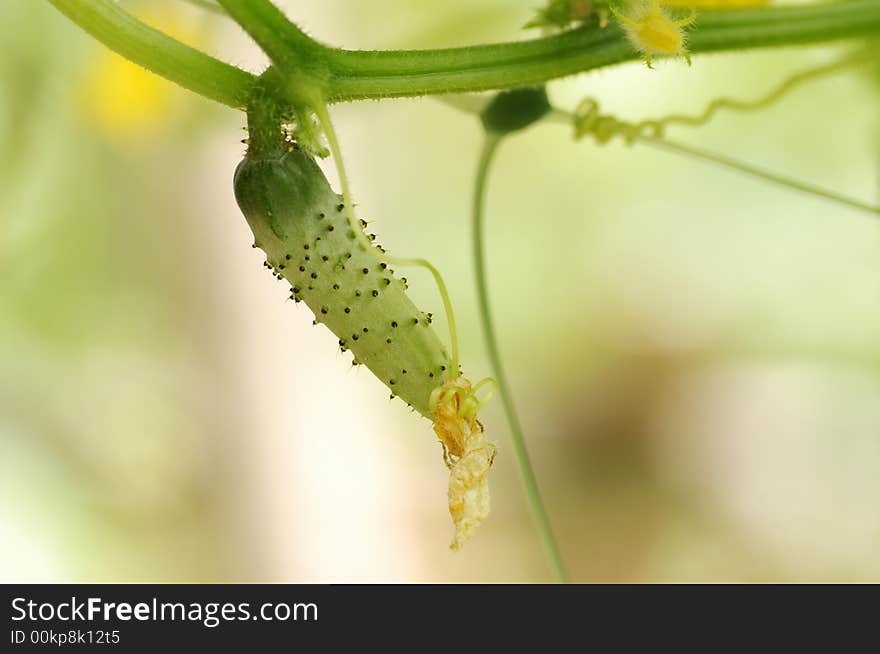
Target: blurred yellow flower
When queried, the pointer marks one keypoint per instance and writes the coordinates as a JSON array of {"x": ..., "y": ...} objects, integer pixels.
[{"x": 125, "y": 101}]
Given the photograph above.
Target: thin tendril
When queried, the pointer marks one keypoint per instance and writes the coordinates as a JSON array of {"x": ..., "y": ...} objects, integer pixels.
[
  {"x": 748, "y": 169},
  {"x": 332, "y": 141},
  {"x": 533, "y": 494},
  {"x": 773, "y": 96},
  {"x": 589, "y": 120},
  {"x": 605, "y": 127}
]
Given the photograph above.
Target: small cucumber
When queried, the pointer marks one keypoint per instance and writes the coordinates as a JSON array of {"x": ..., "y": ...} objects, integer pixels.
[{"x": 300, "y": 223}]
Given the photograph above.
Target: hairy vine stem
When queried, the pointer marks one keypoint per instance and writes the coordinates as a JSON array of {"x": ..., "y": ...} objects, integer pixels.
[{"x": 344, "y": 75}]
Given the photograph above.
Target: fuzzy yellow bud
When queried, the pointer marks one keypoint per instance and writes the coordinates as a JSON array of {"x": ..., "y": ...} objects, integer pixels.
[{"x": 652, "y": 31}]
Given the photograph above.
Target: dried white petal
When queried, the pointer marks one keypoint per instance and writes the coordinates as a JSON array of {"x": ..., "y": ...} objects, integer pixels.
[{"x": 468, "y": 455}]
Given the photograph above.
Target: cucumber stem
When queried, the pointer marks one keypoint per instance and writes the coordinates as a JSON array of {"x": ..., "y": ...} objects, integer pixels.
[{"x": 527, "y": 473}]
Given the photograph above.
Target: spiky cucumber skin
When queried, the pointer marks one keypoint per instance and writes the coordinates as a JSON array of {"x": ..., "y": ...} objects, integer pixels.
[{"x": 300, "y": 223}]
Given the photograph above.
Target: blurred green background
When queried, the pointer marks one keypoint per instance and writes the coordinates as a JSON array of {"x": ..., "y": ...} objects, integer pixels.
[{"x": 695, "y": 354}]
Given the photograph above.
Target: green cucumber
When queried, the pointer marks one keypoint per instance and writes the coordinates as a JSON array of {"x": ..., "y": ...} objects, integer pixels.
[{"x": 300, "y": 223}]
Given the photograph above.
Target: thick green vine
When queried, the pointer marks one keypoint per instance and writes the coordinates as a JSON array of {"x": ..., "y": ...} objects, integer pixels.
[{"x": 344, "y": 75}]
